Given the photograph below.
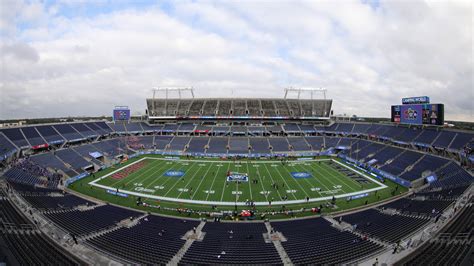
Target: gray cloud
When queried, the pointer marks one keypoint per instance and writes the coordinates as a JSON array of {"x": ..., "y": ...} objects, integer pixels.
[{"x": 368, "y": 58}]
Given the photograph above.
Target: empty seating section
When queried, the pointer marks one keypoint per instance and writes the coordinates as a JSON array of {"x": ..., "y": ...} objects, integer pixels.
[
  {"x": 148, "y": 128},
  {"x": 56, "y": 202},
  {"x": 162, "y": 141},
  {"x": 427, "y": 163},
  {"x": 178, "y": 143},
  {"x": 238, "y": 130},
  {"x": 444, "y": 139},
  {"x": 146, "y": 141},
  {"x": 223, "y": 130},
  {"x": 299, "y": 144},
  {"x": 86, "y": 151},
  {"x": 238, "y": 145},
  {"x": 425, "y": 207},
  {"x": 464, "y": 224},
  {"x": 232, "y": 243},
  {"x": 86, "y": 222},
  {"x": 393, "y": 132},
  {"x": 95, "y": 128},
  {"x": 239, "y": 107},
  {"x": 218, "y": 145},
  {"x": 279, "y": 144},
  {"x": 105, "y": 128},
  {"x": 268, "y": 108},
  {"x": 112, "y": 147},
  {"x": 315, "y": 241},
  {"x": 133, "y": 127},
  {"x": 427, "y": 136},
  {"x": 19, "y": 176},
  {"x": 384, "y": 226},
  {"x": 170, "y": 128},
  {"x": 8, "y": 213},
  {"x": 196, "y": 107},
  {"x": 400, "y": 163},
  {"x": 253, "y": 107},
  {"x": 33, "y": 136},
  {"x": 186, "y": 127},
  {"x": 452, "y": 175},
  {"x": 438, "y": 253},
  {"x": 385, "y": 154},
  {"x": 198, "y": 144},
  {"x": 343, "y": 127},
  {"x": 461, "y": 140},
  {"x": 183, "y": 107},
  {"x": 50, "y": 134},
  {"x": 224, "y": 107},
  {"x": 259, "y": 145},
  {"x": 84, "y": 130},
  {"x": 307, "y": 128},
  {"x": 291, "y": 128},
  {"x": 16, "y": 136},
  {"x": 70, "y": 157},
  {"x": 6, "y": 147},
  {"x": 294, "y": 107},
  {"x": 408, "y": 135},
  {"x": 361, "y": 128},
  {"x": 155, "y": 240},
  {"x": 118, "y": 127},
  {"x": 34, "y": 248},
  {"x": 210, "y": 107},
  {"x": 48, "y": 160},
  {"x": 68, "y": 132},
  {"x": 331, "y": 142},
  {"x": 315, "y": 142}
]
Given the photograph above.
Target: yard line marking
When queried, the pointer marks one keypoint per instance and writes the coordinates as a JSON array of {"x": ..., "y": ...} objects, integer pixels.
[
  {"x": 205, "y": 174},
  {"x": 169, "y": 179},
  {"x": 284, "y": 181},
  {"x": 225, "y": 183}
]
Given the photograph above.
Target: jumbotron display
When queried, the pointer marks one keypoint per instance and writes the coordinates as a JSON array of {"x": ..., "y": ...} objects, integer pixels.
[{"x": 418, "y": 111}]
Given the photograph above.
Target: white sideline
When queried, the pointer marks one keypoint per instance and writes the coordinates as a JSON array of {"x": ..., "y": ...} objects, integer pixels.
[{"x": 231, "y": 203}]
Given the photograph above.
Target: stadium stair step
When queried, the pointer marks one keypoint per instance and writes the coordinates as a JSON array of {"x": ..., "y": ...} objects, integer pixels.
[
  {"x": 190, "y": 237},
  {"x": 277, "y": 243}
]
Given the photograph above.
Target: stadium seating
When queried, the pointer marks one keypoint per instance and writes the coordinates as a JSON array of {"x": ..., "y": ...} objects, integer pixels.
[
  {"x": 68, "y": 132},
  {"x": 425, "y": 207},
  {"x": 56, "y": 202},
  {"x": 238, "y": 145},
  {"x": 444, "y": 139},
  {"x": 162, "y": 141},
  {"x": 238, "y": 107},
  {"x": 85, "y": 222},
  {"x": 315, "y": 241},
  {"x": 84, "y": 130},
  {"x": 50, "y": 134},
  {"x": 198, "y": 144},
  {"x": 316, "y": 143},
  {"x": 259, "y": 145},
  {"x": 279, "y": 144},
  {"x": 33, "y": 137},
  {"x": 6, "y": 147},
  {"x": 134, "y": 127},
  {"x": 16, "y": 136},
  {"x": 299, "y": 144},
  {"x": 232, "y": 243},
  {"x": 427, "y": 136},
  {"x": 427, "y": 163},
  {"x": 461, "y": 140},
  {"x": 178, "y": 143},
  {"x": 70, "y": 157},
  {"x": 118, "y": 127},
  {"x": 401, "y": 162},
  {"x": 218, "y": 145},
  {"x": 48, "y": 160},
  {"x": 155, "y": 240},
  {"x": 384, "y": 226}
]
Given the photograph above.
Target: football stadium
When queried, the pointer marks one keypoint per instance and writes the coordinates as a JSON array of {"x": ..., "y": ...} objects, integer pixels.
[{"x": 188, "y": 176}]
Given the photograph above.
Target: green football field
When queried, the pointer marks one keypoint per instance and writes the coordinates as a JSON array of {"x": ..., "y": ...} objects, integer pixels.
[{"x": 206, "y": 181}]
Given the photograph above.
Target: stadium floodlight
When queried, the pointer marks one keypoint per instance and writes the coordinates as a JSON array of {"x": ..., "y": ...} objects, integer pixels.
[
  {"x": 169, "y": 89},
  {"x": 312, "y": 91}
]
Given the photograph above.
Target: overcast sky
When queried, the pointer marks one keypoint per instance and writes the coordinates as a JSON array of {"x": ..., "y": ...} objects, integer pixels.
[{"x": 77, "y": 57}]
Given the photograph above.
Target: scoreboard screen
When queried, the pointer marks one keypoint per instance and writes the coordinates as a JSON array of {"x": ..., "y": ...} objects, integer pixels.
[
  {"x": 418, "y": 114},
  {"x": 121, "y": 114}
]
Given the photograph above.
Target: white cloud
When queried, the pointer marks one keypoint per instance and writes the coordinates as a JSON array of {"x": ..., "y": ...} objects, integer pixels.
[{"x": 367, "y": 58}]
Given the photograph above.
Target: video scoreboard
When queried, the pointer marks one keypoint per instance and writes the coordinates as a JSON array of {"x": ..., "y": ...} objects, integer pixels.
[
  {"x": 121, "y": 113},
  {"x": 418, "y": 111}
]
